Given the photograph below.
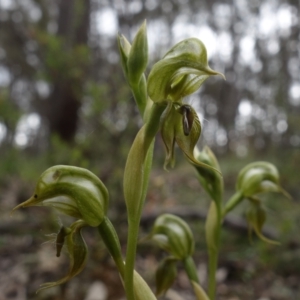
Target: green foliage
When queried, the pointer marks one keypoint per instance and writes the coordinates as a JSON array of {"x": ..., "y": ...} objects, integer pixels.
[{"x": 10, "y": 114}]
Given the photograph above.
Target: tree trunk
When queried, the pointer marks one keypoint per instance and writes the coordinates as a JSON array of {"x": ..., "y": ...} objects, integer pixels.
[{"x": 64, "y": 101}]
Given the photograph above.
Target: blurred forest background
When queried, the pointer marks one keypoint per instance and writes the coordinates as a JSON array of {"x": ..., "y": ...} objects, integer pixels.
[{"x": 64, "y": 100}]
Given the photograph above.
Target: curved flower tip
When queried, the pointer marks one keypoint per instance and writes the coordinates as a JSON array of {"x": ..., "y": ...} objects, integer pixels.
[
  {"x": 77, "y": 250},
  {"x": 73, "y": 191},
  {"x": 181, "y": 71},
  {"x": 259, "y": 177}
]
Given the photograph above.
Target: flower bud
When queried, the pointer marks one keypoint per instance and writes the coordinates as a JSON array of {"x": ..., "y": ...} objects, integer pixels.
[
  {"x": 124, "y": 49},
  {"x": 258, "y": 177},
  {"x": 165, "y": 275},
  {"x": 73, "y": 191},
  {"x": 138, "y": 56},
  {"x": 77, "y": 251},
  {"x": 134, "y": 58},
  {"x": 173, "y": 235},
  {"x": 181, "y": 71}
]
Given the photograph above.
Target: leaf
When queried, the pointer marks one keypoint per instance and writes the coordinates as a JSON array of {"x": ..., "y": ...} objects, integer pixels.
[
  {"x": 141, "y": 289},
  {"x": 200, "y": 293}
]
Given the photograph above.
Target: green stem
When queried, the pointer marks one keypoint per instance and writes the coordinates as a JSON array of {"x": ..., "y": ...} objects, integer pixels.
[
  {"x": 212, "y": 266},
  {"x": 133, "y": 229},
  {"x": 190, "y": 269},
  {"x": 213, "y": 231},
  {"x": 112, "y": 243},
  {"x": 236, "y": 198},
  {"x": 136, "y": 177}
]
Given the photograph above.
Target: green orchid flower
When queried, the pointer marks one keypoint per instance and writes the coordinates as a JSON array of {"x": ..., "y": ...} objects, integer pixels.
[
  {"x": 73, "y": 191},
  {"x": 78, "y": 193},
  {"x": 173, "y": 234},
  {"x": 254, "y": 179},
  {"x": 180, "y": 73},
  {"x": 259, "y": 177},
  {"x": 180, "y": 125}
]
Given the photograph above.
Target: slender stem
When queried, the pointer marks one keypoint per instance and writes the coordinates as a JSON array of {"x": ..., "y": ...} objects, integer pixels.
[
  {"x": 136, "y": 177},
  {"x": 112, "y": 243},
  {"x": 236, "y": 198},
  {"x": 214, "y": 251},
  {"x": 190, "y": 269},
  {"x": 213, "y": 264},
  {"x": 133, "y": 229},
  {"x": 213, "y": 232}
]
